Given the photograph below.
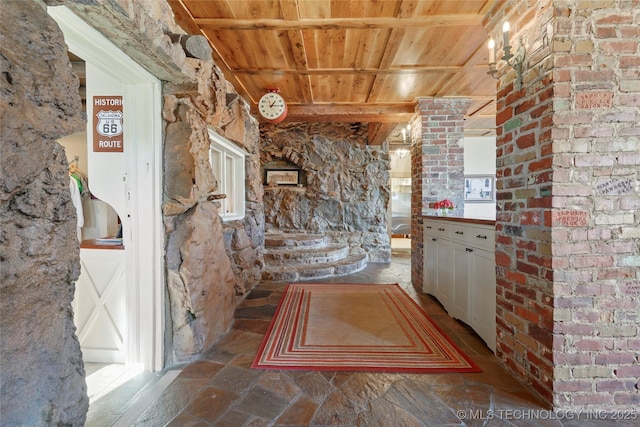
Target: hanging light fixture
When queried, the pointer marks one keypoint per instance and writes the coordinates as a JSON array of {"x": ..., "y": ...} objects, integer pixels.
[{"x": 402, "y": 153}]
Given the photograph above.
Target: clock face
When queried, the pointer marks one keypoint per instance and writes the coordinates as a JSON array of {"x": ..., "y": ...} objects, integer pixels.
[{"x": 272, "y": 107}]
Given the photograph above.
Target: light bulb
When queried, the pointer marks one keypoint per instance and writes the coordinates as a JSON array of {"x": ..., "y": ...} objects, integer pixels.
[{"x": 492, "y": 51}]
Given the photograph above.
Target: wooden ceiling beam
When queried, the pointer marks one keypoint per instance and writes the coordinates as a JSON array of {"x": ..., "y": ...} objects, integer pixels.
[
  {"x": 338, "y": 23},
  {"x": 365, "y": 71},
  {"x": 366, "y": 113},
  {"x": 185, "y": 19},
  {"x": 379, "y": 132}
]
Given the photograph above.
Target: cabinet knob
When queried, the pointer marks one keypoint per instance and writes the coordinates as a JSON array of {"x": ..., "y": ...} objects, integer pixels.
[
  {"x": 440, "y": 229},
  {"x": 459, "y": 232},
  {"x": 479, "y": 236},
  {"x": 468, "y": 249},
  {"x": 428, "y": 226},
  {"x": 433, "y": 239}
]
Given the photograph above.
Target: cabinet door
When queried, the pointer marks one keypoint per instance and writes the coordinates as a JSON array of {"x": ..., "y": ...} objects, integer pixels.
[
  {"x": 483, "y": 301},
  {"x": 430, "y": 270},
  {"x": 444, "y": 280},
  {"x": 462, "y": 262}
]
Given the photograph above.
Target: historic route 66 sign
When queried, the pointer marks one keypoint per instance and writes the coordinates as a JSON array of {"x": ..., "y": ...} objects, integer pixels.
[{"x": 109, "y": 123}]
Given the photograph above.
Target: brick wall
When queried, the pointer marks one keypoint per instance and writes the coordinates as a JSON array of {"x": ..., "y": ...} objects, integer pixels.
[
  {"x": 442, "y": 155},
  {"x": 595, "y": 218},
  {"x": 437, "y": 164},
  {"x": 524, "y": 184},
  {"x": 568, "y": 156},
  {"x": 417, "y": 240}
]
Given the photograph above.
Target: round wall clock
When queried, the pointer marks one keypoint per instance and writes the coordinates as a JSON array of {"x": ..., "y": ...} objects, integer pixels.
[{"x": 272, "y": 107}]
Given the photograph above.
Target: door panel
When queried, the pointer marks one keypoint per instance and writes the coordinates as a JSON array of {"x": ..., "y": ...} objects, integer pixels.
[{"x": 100, "y": 305}]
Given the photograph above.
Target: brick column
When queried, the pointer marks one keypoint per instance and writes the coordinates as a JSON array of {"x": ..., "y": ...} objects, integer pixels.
[
  {"x": 437, "y": 165},
  {"x": 442, "y": 157},
  {"x": 568, "y": 158}
]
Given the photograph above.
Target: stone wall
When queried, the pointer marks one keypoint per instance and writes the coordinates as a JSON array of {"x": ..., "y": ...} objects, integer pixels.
[
  {"x": 568, "y": 179},
  {"x": 211, "y": 265},
  {"x": 42, "y": 373},
  {"x": 347, "y": 184}
]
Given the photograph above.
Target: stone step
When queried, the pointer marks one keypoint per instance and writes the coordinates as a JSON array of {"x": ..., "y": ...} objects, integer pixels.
[
  {"x": 294, "y": 272},
  {"x": 306, "y": 255},
  {"x": 294, "y": 240}
]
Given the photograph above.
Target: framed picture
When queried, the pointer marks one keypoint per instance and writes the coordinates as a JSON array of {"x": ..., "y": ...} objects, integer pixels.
[
  {"x": 282, "y": 176},
  {"x": 479, "y": 188}
]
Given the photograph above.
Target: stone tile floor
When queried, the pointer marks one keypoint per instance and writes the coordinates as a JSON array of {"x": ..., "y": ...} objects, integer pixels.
[{"x": 221, "y": 389}]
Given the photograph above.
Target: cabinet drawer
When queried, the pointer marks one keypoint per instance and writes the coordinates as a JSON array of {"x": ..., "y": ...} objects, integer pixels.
[
  {"x": 481, "y": 237},
  {"x": 460, "y": 232},
  {"x": 436, "y": 228}
]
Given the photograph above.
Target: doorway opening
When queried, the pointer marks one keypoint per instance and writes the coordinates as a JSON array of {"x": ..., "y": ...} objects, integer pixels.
[{"x": 125, "y": 299}]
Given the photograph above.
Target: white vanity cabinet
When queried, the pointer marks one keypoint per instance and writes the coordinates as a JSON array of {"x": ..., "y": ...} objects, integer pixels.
[{"x": 459, "y": 270}]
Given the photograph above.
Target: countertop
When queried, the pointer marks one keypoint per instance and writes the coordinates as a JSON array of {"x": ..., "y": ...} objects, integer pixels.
[
  {"x": 102, "y": 244},
  {"x": 481, "y": 221}
]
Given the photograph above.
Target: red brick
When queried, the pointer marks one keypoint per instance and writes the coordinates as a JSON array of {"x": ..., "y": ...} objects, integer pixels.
[
  {"x": 540, "y": 111},
  {"x": 502, "y": 259},
  {"x": 527, "y": 314},
  {"x": 527, "y": 268},
  {"x": 526, "y": 141},
  {"x": 527, "y": 244},
  {"x": 530, "y": 218},
  {"x": 503, "y": 116},
  {"x": 605, "y": 32},
  {"x": 539, "y": 260},
  {"x": 516, "y": 277},
  {"x": 512, "y": 297},
  {"x": 504, "y": 240},
  {"x": 541, "y": 164},
  {"x": 544, "y": 311}
]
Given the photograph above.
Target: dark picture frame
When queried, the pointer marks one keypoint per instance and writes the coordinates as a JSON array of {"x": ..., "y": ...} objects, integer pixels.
[
  {"x": 282, "y": 176},
  {"x": 479, "y": 188}
]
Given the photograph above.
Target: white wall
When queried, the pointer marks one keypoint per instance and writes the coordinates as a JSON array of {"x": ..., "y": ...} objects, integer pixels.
[
  {"x": 480, "y": 159},
  {"x": 100, "y": 219},
  {"x": 400, "y": 168}
]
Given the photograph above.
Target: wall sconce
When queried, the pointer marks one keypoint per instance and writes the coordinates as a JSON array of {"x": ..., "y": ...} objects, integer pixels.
[{"x": 515, "y": 61}]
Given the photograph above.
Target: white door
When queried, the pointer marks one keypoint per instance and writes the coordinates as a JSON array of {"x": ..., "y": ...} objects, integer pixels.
[{"x": 100, "y": 313}]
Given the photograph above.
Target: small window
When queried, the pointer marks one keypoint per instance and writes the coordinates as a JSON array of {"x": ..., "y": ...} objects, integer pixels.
[{"x": 227, "y": 163}]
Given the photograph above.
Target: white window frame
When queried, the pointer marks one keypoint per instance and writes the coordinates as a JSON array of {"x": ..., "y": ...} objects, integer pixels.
[{"x": 228, "y": 166}]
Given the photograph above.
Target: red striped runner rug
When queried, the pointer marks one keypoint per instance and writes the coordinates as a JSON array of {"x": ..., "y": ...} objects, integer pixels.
[{"x": 356, "y": 327}]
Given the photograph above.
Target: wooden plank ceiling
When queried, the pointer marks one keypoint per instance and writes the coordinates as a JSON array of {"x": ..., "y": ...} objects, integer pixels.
[{"x": 351, "y": 60}]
